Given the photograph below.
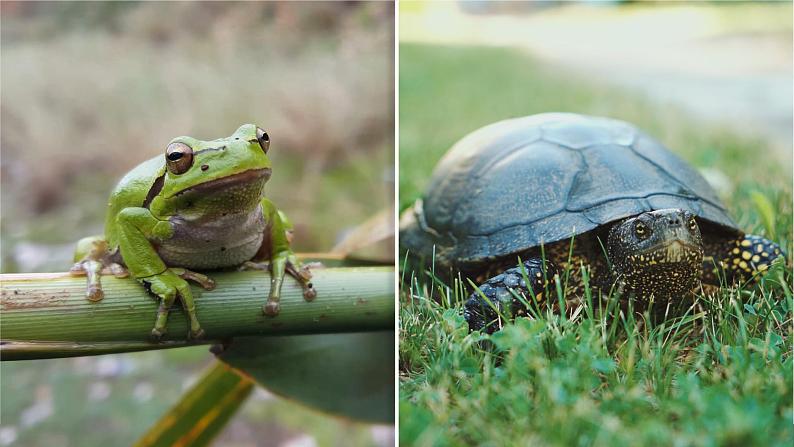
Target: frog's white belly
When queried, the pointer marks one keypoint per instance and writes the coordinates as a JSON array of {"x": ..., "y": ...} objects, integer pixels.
[{"x": 220, "y": 242}]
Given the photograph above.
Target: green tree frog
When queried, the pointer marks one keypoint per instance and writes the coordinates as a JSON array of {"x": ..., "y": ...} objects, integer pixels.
[{"x": 199, "y": 206}]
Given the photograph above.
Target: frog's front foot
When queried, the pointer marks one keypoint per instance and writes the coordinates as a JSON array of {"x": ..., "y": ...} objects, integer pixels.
[
  {"x": 168, "y": 286},
  {"x": 93, "y": 271},
  {"x": 157, "y": 335},
  {"x": 196, "y": 335},
  {"x": 271, "y": 308}
]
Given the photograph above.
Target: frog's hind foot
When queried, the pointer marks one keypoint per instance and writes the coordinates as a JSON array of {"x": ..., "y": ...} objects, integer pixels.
[
  {"x": 170, "y": 285},
  {"x": 204, "y": 281},
  {"x": 304, "y": 276},
  {"x": 252, "y": 265}
]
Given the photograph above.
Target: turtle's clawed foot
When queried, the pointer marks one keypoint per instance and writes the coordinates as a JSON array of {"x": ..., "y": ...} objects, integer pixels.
[
  {"x": 744, "y": 259},
  {"x": 498, "y": 299}
]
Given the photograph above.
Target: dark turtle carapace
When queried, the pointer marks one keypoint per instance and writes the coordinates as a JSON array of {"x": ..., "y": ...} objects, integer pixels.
[{"x": 560, "y": 190}]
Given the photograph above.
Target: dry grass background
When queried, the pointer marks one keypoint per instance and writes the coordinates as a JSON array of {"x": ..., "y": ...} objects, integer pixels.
[{"x": 90, "y": 89}]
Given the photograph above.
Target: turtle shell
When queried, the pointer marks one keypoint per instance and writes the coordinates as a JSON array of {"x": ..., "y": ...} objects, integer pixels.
[{"x": 516, "y": 184}]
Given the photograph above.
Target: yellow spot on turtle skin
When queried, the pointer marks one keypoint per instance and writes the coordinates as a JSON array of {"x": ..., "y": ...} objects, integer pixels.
[
  {"x": 777, "y": 251},
  {"x": 759, "y": 248},
  {"x": 735, "y": 251},
  {"x": 746, "y": 255},
  {"x": 642, "y": 258},
  {"x": 743, "y": 265},
  {"x": 762, "y": 267},
  {"x": 746, "y": 243},
  {"x": 756, "y": 258},
  {"x": 736, "y": 260},
  {"x": 765, "y": 254},
  {"x": 538, "y": 274}
]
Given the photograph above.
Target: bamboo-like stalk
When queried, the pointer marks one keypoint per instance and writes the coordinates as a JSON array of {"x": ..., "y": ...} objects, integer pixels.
[{"x": 46, "y": 315}]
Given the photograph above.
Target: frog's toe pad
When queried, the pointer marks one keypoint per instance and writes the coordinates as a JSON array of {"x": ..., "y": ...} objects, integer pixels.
[
  {"x": 305, "y": 273},
  {"x": 197, "y": 334},
  {"x": 117, "y": 270},
  {"x": 94, "y": 294},
  {"x": 157, "y": 335},
  {"x": 78, "y": 269},
  {"x": 251, "y": 265},
  {"x": 271, "y": 309},
  {"x": 309, "y": 293},
  {"x": 209, "y": 284}
]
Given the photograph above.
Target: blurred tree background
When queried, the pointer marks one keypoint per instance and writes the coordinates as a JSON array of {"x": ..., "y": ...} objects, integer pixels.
[{"x": 89, "y": 90}]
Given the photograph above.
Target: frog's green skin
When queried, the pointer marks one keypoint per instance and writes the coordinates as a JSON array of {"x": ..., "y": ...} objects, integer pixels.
[{"x": 167, "y": 216}]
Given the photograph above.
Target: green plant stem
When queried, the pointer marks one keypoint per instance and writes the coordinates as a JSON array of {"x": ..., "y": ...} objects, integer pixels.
[
  {"x": 203, "y": 411},
  {"x": 47, "y": 315}
]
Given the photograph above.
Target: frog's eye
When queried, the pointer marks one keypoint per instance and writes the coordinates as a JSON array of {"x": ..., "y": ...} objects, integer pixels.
[
  {"x": 178, "y": 158},
  {"x": 263, "y": 139}
]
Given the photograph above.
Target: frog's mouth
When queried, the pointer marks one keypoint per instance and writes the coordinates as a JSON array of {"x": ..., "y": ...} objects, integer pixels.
[{"x": 250, "y": 176}]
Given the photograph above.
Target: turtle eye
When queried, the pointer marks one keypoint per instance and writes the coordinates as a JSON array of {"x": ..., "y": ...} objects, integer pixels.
[
  {"x": 693, "y": 225},
  {"x": 178, "y": 158},
  {"x": 263, "y": 139},
  {"x": 641, "y": 230}
]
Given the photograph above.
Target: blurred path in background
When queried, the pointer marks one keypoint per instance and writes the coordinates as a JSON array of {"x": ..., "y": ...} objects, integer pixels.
[{"x": 729, "y": 64}]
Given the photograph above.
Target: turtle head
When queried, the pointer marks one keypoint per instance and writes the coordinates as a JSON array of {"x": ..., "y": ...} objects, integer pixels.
[{"x": 657, "y": 253}]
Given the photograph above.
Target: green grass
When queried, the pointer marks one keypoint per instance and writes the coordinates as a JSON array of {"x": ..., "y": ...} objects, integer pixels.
[{"x": 721, "y": 376}]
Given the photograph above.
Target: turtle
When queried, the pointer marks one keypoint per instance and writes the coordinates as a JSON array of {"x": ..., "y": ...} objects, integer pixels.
[{"x": 518, "y": 201}]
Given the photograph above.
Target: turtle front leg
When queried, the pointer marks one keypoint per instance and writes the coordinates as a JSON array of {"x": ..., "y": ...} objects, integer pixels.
[
  {"x": 487, "y": 307},
  {"x": 741, "y": 260}
]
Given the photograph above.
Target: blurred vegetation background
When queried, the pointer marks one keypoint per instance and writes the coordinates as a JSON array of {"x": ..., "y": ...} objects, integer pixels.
[
  {"x": 686, "y": 73},
  {"x": 89, "y": 90}
]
